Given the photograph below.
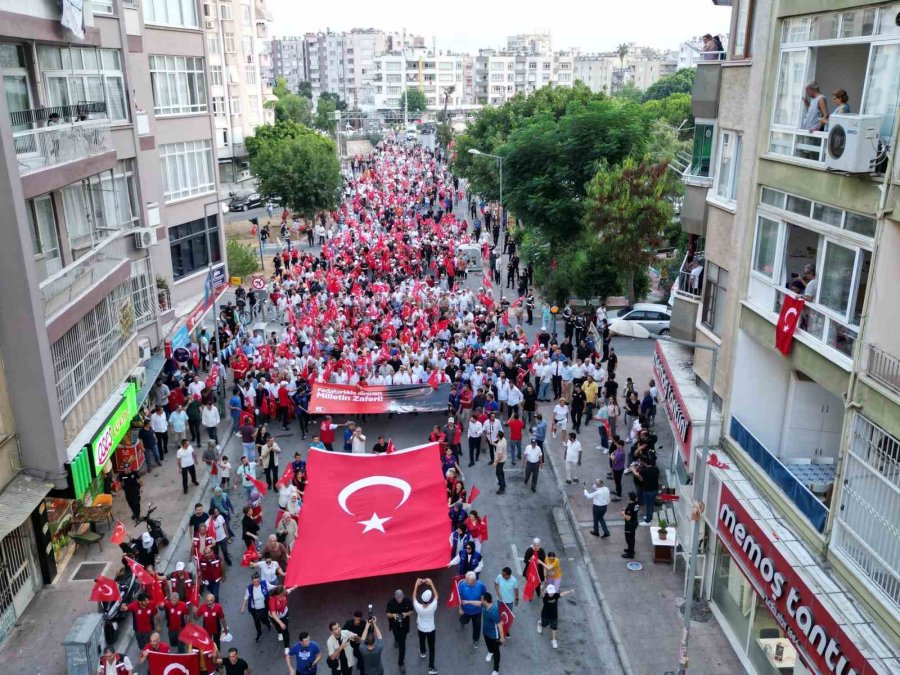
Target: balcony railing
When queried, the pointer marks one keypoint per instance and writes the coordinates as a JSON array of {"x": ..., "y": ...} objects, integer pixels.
[
  {"x": 71, "y": 283},
  {"x": 826, "y": 329},
  {"x": 808, "y": 146},
  {"x": 689, "y": 284},
  {"x": 49, "y": 146},
  {"x": 883, "y": 367},
  {"x": 62, "y": 113}
]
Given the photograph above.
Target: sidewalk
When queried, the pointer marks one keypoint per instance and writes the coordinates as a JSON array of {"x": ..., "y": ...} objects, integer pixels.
[
  {"x": 645, "y": 605},
  {"x": 38, "y": 636}
]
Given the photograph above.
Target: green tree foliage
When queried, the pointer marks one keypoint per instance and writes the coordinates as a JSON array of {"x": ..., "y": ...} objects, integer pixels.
[
  {"x": 242, "y": 259},
  {"x": 674, "y": 110},
  {"x": 325, "y": 110},
  {"x": 630, "y": 93},
  {"x": 269, "y": 133},
  {"x": 298, "y": 165},
  {"x": 444, "y": 135},
  {"x": 627, "y": 208},
  {"x": 339, "y": 103},
  {"x": 680, "y": 82},
  {"x": 304, "y": 89},
  {"x": 415, "y": 101},
  {"x": 294, "y": 108},
  {"x": 280, "y": 89}
]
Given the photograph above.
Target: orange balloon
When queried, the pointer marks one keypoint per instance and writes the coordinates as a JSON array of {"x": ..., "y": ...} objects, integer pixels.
[{"x": 554, "y": 309}]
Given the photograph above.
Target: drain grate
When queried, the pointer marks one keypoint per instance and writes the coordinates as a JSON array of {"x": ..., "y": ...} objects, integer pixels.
[{"x": 88, "y": 570}]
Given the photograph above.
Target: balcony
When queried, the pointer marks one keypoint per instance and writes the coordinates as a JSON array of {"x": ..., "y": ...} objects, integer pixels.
[
  {"x": 686, "y": 298},
  {"x": 705, "y": 95},
  {"x": 883, "y": 367},
  {"x": 69, "y": 284},
  {"x": 46, "y": 147},
  {"x": 806, "y": 146}
]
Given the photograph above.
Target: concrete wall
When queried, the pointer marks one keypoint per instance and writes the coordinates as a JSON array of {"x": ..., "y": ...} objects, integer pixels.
[{"x": 884, "y": 315}]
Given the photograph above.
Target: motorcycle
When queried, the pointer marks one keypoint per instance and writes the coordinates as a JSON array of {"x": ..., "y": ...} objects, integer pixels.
[
  {"x": 114, "y": 613},
  {"x": 154, "y": 527}
]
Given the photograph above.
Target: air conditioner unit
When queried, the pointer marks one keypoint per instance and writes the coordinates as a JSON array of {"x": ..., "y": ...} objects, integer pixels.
[
  {"x": 144, "y": 238},
  {"x": 210, "y": 25},
  {"x": 139, "y": 377},
  {"x": 852, "y": 143}
]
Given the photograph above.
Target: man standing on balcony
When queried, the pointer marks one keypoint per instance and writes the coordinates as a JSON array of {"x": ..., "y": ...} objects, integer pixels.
[{"x": 815, "y": 114}]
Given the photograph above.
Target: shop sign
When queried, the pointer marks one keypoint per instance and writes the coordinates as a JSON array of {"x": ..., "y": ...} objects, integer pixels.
[
  {"x": 824, "y": 646},
  {"x": 678, "y": 415},
  {"x": 181, "y": 338},
  {"x": 81, "y": 472},
  {"x": 114, "y": 429}
]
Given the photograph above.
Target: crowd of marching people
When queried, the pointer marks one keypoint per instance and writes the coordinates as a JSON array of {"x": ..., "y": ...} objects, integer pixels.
[{"x": 384, "y": 302}]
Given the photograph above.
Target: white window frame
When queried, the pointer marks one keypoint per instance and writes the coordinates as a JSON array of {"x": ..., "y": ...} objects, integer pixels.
[
  {"x": 180, "y": 13},
  {"x": 230, "y": 44},
  {"x": 730, "y": 181},
  {"x": 213, "y": 44},
  {"x": 71, "y": 74},
  {"x": 179, "y": 85},
  {"x": 235, "y": 103},
  {"x": 216, "y": 76},
  {"x": 225, "y": 12},
  {"x": 187, "y": 169},
  {"x": 250, "y": 74}
]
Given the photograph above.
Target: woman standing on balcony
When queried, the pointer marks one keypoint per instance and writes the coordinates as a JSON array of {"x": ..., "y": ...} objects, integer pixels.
[{"x": 815, "y": 115}]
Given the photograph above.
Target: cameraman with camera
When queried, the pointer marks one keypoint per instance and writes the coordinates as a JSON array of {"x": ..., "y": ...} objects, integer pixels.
[
  {"x": 370, "y": 652},
  {"x": 399, "y": 610}
]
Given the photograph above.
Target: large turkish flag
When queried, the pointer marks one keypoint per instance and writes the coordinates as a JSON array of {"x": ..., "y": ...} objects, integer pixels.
[
  {"x": 371, "y": 515},
  {"x": 787, "y": 323},
  {"x": 174, "y": 664}
]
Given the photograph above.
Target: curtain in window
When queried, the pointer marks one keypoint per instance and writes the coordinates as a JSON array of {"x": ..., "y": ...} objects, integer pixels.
[
  {"x": 883, "y": 85},
  {"x": 78, "y": 223},
  {"x": 791, "y": 79},
  {"x": 116, "y": 108}
]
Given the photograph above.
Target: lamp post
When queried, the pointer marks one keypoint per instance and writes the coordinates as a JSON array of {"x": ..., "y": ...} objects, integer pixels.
[
  {"x": 499, "y": 158},
  {"x": 699, "y": 486},
  {"x": 209, "y": 277}
]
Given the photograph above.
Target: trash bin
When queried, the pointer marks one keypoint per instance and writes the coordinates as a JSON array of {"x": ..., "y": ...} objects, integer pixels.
[{"x": 84, "y": 644}]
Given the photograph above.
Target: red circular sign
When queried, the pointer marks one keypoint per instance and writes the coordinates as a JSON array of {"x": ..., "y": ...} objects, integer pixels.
[{"x": 258, "y": 283}]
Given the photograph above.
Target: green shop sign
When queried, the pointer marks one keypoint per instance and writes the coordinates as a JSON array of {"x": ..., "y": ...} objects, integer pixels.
[{"x": 114, "y": 429}]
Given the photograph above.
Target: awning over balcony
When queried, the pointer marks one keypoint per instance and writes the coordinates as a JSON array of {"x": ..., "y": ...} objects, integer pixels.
[{"x": 22, "y": 496}]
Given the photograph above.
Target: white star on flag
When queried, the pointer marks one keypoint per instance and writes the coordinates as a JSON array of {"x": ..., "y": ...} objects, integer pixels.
[{"x": 374, "y": 523}]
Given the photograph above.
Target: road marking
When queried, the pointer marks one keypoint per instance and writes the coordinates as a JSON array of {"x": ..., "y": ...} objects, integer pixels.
[{"x": 515, "y": 553}]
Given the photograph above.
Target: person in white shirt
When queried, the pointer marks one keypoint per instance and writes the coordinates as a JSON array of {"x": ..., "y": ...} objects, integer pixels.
[
  {"x": 560, "y": 419},
  {"x": 515, "y": 398},
  {"x": 220, "y": 534},
  {"x": 187, "y": 460},
  {"x": 178, "y": 424},
  {"x": 599, "y": 497},
  {"x": 425, "y": 611},
  {"x": 492, "y": 430},
  {"x": 573, "y": 458},
  {"x": 160, "y": 426},
  {"x": 358, "y": 442},
  {"x": 209, "y": 416},
  {"x": 503, "y": 393},
  {"x": 196, "y": 387},
  {"x": 268, "y": 569},
  {"x": 474, "y": 434},
  {"x": 533, "y": 458},
  {"x": 111, "y": 661}
]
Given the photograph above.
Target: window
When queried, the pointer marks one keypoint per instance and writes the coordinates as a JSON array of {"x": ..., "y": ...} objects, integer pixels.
[
  {"x": 714, "y": 297},
  {"x": 187, "y": 169},
  {"x": 883, "y": 85},
  {"x": 245, "y": 15},
  {"x": 743, "y": 30},
  {"x": 187, "y": 243},
  {"x": 225, "y": 11},
  {"x": 218, "y": 106},
  {"x": 766, "y": 247},
  {"x": 209, "y": 10},
  {"x": 120, "y": 194},
  {"x": 791, "y": 78},
  {"x": 235, "y": 102},
  {"x": 253, "y": 105},
  {"x": 102, "y": 6},
  {"x": 215, "y": 76},
  {"x": 212, "y": 43},
  {"x": 701, "y": 156},
  {"x": 250, "y": 73},
  {"x": 44, "y": 235},
  {"x": 85, "y": 74},
  {"x": 729, "y": 165},
  {"x": 247, "y": 44},
  {"x": 172, "y": 12},
  {"x": 230, "y": 47},
  {"x": 179, "y": 85}
]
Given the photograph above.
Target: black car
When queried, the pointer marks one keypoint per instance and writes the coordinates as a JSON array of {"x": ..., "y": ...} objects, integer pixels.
[{"x": 245, "y": 202}]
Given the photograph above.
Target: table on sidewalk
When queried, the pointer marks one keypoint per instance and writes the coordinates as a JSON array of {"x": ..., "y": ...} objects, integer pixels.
[{"x": 663, "y": 549}]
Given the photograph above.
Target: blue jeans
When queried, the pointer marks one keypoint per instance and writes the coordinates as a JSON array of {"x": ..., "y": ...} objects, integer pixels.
[
  {"x": 235, "y": 423},
  {"x": 515, "y": 450},
  {"x": 152, "y": 451},
  {"x": 604, "y": 441},
  {"x": 649, "y": 503},
  {"x": 250, "y": 452},
  {"x": 542, "y": 390}
]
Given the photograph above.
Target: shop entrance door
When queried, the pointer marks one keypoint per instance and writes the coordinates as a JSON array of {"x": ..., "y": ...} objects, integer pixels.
[{"x": 18, "y": 572}]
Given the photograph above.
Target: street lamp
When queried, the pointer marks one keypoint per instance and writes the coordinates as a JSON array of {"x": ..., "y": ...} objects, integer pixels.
[
  {"x": 212, "y": 285},
  {"x": 499, "y": 158},
  {"x": 699, "y": 485}
]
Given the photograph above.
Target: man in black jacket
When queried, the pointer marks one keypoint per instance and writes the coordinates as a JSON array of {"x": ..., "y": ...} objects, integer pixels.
[{"x": 399, "y": 609}]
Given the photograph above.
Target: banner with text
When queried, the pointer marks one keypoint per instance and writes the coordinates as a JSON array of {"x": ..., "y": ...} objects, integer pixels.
[{"x": 351, "y": 399}]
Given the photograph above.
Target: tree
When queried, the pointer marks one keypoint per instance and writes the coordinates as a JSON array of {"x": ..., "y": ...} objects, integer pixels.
[
  {"x": 622, "y": 51},
  {"x": 325, "y": 110},
  {"x": 298, "y": 165},
  {"x": 294, "y": 108},
  {"x": 280, "y": 89},
  {"x": 242, "y": 259},
  {"x": 304, "y": 89},
  {"x": 444, "y": 134},
  {"x": 627, "y": 208},
  {"x": 448, "y": 92},
  {"x": 629, "y": 92},
  {"x": 674, "y": 110},
  {"x": 414, "y": 101},
  {"x": 680, "y": 82},
  {"x": 339, "y": 103}
]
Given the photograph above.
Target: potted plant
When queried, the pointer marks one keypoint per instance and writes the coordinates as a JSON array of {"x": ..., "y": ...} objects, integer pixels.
[
  {"x": 663, "y": 525},
  {"x": 162, "y": 292}
]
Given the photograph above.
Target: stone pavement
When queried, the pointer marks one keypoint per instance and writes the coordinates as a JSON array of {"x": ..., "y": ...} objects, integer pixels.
[
  {"x": 644, "y": 605},
  {"x": 38, "y": 635}
]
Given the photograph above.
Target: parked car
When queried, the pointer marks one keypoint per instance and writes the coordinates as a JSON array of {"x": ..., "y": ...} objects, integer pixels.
[
  {"x": 245, "y": 202},
  {"x": 655, "y": 318}
]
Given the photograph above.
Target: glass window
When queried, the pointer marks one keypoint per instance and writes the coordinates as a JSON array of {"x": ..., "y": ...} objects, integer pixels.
[
  {"x": 85, "y": 74},
  {"x": 860, "y": 224},
  {"x": 772, "y": 197},
  {"x": 824, "y": 26},
  {"x": 729, "y": 160},
  {"x": 713, "y": 316},
  {"x": 791, "y": 78},
  {"x": 179, "y": 85},
  {"x": 857, "y": 23},
  {"x": 798, "y": 205},
  {"x": 766, "y": 247},
  {"x": 827, "y": 214},
  {"x": 172, "y": 12},
  {"x": 836, "y": 277},
  {"x": 741, "y": 45},
  {"x": 44, "y": 235},
  {"x": 187, "y": 169},
  {"x": 187, "y": 244},
  {"x": 887, "y": 23},
  {"x": 212, "y": 43},
  {"x": 733, "y": 594},
  {"x": 883, "y": 85},
  {"x": 702, "y": 153}
]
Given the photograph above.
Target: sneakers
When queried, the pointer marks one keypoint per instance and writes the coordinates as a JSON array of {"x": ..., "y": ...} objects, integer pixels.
[
  {"x": 605, "y": 535},
  {"x": 488, "y": 656},
  {"x": 644, "y": 523},
  {"x": 475, "y": 645},
  {"x": 605, "y": 451},
  {"x": 540, "y": 628},
  {"x": 554, "y": 644},
  {"x": 422, "y": 655},
  {"x": 598, "y": 447},
  {"x": 432, "y": 671},
  {"x": 596, "y": 534}
]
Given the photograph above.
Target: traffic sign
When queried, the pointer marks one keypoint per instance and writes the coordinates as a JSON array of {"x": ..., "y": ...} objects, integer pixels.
[{"x": 258, "y": 283}]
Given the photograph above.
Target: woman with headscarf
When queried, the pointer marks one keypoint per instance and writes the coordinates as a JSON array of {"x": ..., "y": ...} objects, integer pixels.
[{"x": 222, "y": 503}]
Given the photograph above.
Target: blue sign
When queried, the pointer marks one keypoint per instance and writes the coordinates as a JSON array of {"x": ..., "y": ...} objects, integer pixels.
[
  {"x": 218, "y": 277},
  {"x": 182, "y": 338}
]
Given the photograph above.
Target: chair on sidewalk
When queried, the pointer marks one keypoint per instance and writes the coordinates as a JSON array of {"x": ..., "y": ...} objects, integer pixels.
[{"x": 86, "y": 539}]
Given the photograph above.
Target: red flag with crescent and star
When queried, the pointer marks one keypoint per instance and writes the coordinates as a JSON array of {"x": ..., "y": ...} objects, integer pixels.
[
  {"x": 453, "y": 596},
  {"x": 380, "y": 514},
  {"x": 105, "y": 590},
  {"x": 506, "y": 617},
  {"x": 174, "y": 664},
  {"x": 118, "y": 533},
  {"x": 532, "y": 579},
  {"x": 261, "y": 487},
  {"x": 787, "y": 323}
]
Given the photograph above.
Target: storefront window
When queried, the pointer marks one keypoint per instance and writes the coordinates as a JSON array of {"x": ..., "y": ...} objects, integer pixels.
[{"x": 733, "y": 594}]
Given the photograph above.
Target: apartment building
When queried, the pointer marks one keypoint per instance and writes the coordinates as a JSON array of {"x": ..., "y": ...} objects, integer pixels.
[
  {"x": 361, "y": 47},
  {"x": 109, "y": 165},
  {"x": 640, "y": 67},
  {"x": 288, "y": 61},
  {"x": 500, "y": 75},
  {"x": 235, "y": 32},
  {"x": 802, "y": 503},
  {"x": 323, "y": 54},
  {"x": 530, "y": 43},
  {"x": 433, "y": 74}
]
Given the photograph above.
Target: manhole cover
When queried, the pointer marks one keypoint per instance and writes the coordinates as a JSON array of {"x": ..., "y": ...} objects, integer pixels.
[
  {"x": 88, "y": 570},
  {"x": 635, "y": 566}
]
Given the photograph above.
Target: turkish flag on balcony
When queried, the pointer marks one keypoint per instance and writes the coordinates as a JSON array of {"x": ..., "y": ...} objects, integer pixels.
[
  {"x": 377, "y": 514},
  {"x": 787, "y": 323},
  {"x": 171, "y": 664}
]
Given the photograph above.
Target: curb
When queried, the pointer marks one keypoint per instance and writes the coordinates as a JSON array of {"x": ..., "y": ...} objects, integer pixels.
[{"x": 614, "y": 635}]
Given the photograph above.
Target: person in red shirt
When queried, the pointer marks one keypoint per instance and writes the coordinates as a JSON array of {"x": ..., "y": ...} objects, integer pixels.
[
  {"x": 176, "y": 617},
  {"x": 284, "y": 405},
  {"x": 515, "y": 437},
  {"x": 155, "y": 645},
  {"x": 213, "y": 617},
  {"x": 278, "y": 611},
  {"x": 465, "y": 404},
  {"x": 203, "y": 541},
  {"x": 475, "y": 526},
  {"x": 211, "y": 572},
  {"x": 181, "y": 582},
  {"x": 326, "y": 432},
  {"x": 143, "y": 614}
]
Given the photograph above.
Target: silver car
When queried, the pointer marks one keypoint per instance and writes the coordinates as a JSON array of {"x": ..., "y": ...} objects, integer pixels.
[{"x": 655, "y": 318}]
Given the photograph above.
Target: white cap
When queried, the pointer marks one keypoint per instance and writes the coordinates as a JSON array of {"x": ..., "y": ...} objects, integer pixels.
[
  {"x": 426, "y": 596},
  {"x": 551, "y": 589},
  {"x": 536, "y": 541},
  {"x": 450, "y": 420},
  {"x": 179, "y": 567}
]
